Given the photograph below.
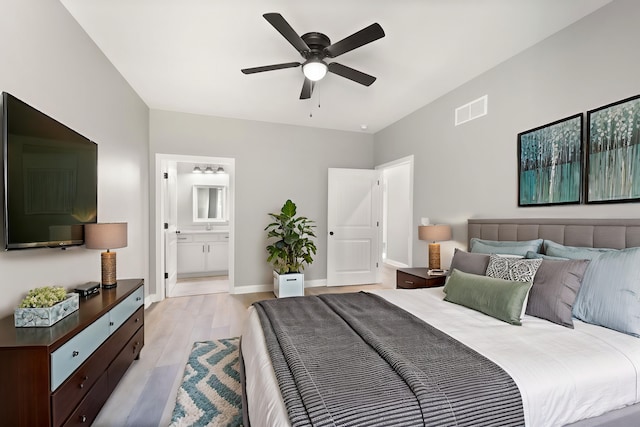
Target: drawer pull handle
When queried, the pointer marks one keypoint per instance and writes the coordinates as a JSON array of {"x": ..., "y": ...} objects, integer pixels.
[
  {"x": 83, "y": 380},
  {"x": 138, "y": 298},
  {"x": 111, "y": 323},
  {"x": 75, "y": 353},
  {"x": 135, "y": 346},
  {"x": 408, "y": 282},
  {"x": 137, "y": 320},
  {"x": 83, "y": 418}
]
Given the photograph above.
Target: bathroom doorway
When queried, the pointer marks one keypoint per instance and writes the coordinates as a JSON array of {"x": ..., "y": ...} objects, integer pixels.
[{"x": 195, "y": 217}]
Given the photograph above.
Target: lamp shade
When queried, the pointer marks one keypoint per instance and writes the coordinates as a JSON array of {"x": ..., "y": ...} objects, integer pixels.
[
  {"x": 106, "y": 235},
  {"x": 434, "y": 233}
]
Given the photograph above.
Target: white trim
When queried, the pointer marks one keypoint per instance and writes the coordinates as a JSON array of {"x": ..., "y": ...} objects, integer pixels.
[
  {"x": 252, "y": 289},
  {"x": 157, "y": 289},
  {"x": 401, "y": 161}
]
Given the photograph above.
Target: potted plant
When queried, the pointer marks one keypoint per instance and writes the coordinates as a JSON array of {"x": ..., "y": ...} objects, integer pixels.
[
  {"x": 292, "y": 249},
  {"x": 45, "y": 306}
]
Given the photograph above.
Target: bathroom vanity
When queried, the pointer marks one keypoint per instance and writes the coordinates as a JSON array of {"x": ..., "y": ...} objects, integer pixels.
[{"x": 203, "y": 253}]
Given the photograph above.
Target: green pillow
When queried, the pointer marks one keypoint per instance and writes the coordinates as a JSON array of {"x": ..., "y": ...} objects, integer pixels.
[{"x": 499, "y": 298}]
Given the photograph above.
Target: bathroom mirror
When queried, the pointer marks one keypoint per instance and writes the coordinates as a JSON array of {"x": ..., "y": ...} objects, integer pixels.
[{"x": 209, "y": 203}]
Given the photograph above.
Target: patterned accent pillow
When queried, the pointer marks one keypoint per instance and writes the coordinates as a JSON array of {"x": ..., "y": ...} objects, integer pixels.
[{"x": 515, "y": 269}]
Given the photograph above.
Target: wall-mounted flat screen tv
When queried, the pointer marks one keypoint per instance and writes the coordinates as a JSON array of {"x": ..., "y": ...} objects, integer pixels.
[{"x": 50, "y": 175}]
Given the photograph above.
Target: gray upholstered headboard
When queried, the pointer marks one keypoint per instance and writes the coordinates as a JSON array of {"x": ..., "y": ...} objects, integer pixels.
[{"x": 595, "y": 233}]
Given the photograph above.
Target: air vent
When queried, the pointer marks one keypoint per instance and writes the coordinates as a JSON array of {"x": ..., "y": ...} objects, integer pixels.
[{"x": 472, "y": 110}]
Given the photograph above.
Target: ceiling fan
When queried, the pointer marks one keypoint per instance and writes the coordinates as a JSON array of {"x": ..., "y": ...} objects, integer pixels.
[{"x": 315, "y": 47}]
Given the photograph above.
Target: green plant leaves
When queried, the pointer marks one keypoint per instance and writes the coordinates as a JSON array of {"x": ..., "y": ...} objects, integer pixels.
[{"x": 293, "y": 247}]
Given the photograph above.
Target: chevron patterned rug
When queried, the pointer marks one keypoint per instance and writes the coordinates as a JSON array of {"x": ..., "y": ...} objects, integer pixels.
[{"x": 210, "y": 393}]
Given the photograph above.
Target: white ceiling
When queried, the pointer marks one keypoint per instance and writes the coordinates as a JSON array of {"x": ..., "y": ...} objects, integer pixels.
[{"x": 186, "y": 55}]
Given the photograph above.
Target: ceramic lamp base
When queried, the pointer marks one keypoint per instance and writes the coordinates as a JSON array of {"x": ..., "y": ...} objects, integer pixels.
[
  {"x": 434, "y": 256},
  {"x": 109, "y": 270}
]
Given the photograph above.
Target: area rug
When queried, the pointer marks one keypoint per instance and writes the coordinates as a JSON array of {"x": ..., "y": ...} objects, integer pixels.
[{"x": 210, "y": 393}]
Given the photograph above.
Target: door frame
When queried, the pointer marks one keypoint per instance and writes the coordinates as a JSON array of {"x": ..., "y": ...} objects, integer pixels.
[
  {"x": 408, "y": 160},
  {"x": 158, "y": 228}
]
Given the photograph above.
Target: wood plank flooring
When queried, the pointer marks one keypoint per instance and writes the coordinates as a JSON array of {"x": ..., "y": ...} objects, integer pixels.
[{"x": 146, "y": 395}]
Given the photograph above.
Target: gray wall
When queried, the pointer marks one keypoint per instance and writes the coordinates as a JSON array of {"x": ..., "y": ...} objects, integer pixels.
[
  {"x": 273, "y": 163},
  {"x": 49, "y": 62},
  {"x": 471, "y": 170}
]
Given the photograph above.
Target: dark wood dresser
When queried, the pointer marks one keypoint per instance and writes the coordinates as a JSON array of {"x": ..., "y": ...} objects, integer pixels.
[{"x": 63, "y": 374}]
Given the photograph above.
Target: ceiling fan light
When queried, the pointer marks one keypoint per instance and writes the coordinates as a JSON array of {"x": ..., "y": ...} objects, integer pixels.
[{"x": 314, "y": 70}]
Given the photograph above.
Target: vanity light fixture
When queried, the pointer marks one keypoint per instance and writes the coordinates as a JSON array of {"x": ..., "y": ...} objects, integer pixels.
[
  {"x": 208, "y": 170},
  {"x": 197, "y": 170},
  {"x": 220, "y": 169}
]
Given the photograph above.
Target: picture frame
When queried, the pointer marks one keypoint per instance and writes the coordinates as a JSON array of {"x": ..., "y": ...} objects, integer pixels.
[
  {"x": 613, "y": 152},
  {"x": 550, "y": 163}
]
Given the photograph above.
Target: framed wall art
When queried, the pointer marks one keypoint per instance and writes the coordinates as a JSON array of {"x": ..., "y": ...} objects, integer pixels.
[
  {"x": 613, "y": 152},
  {"x": 550, "y": 163}
]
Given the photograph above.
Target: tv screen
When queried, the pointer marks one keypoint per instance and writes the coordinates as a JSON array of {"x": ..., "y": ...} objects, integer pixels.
[{"x": 50, "y": 179}]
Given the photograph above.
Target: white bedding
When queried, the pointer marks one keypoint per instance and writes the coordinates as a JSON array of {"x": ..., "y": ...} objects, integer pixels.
[{"x": 564, "y": 375}]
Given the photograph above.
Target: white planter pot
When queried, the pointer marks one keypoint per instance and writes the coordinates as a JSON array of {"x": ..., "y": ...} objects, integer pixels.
[{"x": 288, "y": 285}]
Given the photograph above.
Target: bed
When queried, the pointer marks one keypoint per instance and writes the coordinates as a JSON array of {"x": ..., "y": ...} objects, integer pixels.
[{"x": 584, "y": 374}]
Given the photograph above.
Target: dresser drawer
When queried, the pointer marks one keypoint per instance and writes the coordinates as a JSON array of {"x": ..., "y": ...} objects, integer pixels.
[
  {"x": 409, "y": 281},
  {"x": 70, "y": 356},
  {"x": 72, "y": 391},
  {"x": 122, "y": 362},
  {"x": 90, "y": 406},
  {"x": 406, "y": 281},
  {"x": 121, "y": 312}
]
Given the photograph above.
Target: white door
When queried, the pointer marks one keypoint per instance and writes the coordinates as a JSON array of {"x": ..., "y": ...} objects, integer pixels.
[
  {"x": 353, "y": 220},
  {"x": 170, "y": 215}
]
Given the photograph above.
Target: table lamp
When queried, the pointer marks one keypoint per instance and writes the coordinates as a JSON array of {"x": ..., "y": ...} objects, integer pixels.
[
  {"x": 107, "y": 235},
  {"x": 434, "y": 233}
]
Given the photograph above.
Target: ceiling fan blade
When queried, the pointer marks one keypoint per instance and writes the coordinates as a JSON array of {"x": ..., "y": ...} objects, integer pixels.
[
  {"x": 270, "y": 67},
  {"x": 307, "y": 88},
  {"x": 351, "y": 74},
  {"x": 283, "y": 27},
  {"x": 367, "y": 35}
]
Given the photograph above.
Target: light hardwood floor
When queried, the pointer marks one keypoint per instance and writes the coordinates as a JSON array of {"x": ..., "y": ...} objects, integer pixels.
[{"x": 146, "y": 395}]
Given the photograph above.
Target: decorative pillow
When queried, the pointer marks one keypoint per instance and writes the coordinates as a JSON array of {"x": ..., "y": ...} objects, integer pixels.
[
  {"x": 474, "y": 263},
  {"x": 535, "y": 255},
  {"x": 518, "y": 269},
  {"x": 502, "y": 299},
  {"x": 505, "y": 247},
  {"x": 610, "y": 291},
  {"x": 552, "y": 248},
  {"x": 555, "y": 287}
]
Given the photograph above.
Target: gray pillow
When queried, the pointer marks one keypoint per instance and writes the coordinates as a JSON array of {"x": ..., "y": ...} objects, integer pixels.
[
  {"x": 552, "y": 248},
  {"x": 470, "y": 262},
  {"x": 554, "y": 290},
  {"x": 610, "y": 291},
  {"x": 518, "y": 269},
  {"x": 502, "y": 299},
  {"x": 505, "y": 247}
]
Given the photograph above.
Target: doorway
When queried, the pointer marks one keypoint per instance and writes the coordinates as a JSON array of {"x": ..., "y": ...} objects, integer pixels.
[
  {"x": 195, "y": 238},
  {"x": 397, "y": 212}
]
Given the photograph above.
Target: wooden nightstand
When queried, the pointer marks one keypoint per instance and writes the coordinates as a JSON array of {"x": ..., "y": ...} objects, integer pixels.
[{"x": 412, "y": 278}]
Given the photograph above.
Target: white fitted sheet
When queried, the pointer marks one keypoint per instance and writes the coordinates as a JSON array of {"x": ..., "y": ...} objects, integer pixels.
[{"x": 564, "y": 375}]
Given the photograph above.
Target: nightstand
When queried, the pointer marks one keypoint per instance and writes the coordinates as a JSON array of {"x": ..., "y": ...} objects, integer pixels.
[{"x": 412, "y": 278}]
